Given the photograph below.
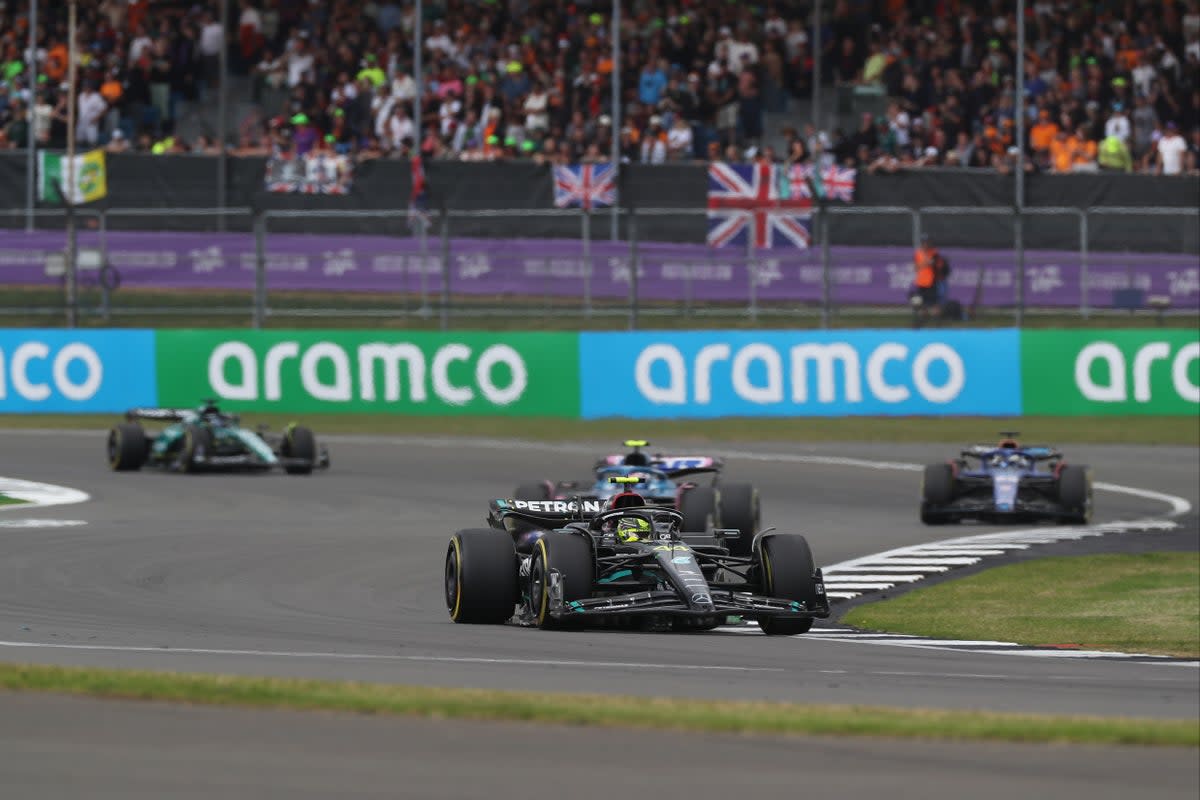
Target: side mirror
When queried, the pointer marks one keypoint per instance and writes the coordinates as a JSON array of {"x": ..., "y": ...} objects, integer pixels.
[{"x": 727, "y": 533}]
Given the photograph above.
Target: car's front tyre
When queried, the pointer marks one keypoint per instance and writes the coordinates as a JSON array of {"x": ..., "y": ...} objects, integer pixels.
[
  {"x": 1075, "y": 494},
  {"x": 481, "y": 577},
  {"x": 787, "y": 571},
  {"x": 571, "y": 557},
  {"x": 127, "y": 447},
  {"x": 299, "y": 443}
]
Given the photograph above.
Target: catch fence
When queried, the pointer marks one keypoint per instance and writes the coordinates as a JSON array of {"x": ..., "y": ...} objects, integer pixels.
[{"x": 449, "y": 268}]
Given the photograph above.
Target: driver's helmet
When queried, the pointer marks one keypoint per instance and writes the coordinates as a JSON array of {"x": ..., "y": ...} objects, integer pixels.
[
  {"x": 209, "y": 409},
  {"x": 632, "y": 529}
]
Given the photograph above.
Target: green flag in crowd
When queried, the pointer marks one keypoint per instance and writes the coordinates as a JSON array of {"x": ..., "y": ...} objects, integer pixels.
[{"x": 90, "y": 177}]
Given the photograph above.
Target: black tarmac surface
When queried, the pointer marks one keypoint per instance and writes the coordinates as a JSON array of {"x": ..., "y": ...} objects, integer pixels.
[{"x": 339, "y": 576}]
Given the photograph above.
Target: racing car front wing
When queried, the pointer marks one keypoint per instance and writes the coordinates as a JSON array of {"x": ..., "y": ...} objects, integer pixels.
[{"x": 722, "y": 602}]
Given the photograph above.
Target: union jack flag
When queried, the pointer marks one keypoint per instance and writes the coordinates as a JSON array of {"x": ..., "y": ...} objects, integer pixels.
[
  {"x": 752, "y": 204},
  {"x": 831, "y": 183},
  {"x": 418, "y": 201},
  {"x": 585, "y": 186}
]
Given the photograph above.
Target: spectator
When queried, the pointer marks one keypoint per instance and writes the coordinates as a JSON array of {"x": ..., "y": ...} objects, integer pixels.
[
  {"x": 91, "y": 110},
  {"x": 679, "y": 139},
  {"x": 1170, "y": 152},
  {"x": 1114, "y": 155}
]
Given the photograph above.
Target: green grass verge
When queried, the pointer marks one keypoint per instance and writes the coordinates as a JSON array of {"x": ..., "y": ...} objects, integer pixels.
[
  {"x": 1178, "y": 430},
  {"x": 704, "y": 716},
  {"x": 5, "y": 500},
  {"x": 24, "y": 306},
  {"x": 1145, "y": 603}
]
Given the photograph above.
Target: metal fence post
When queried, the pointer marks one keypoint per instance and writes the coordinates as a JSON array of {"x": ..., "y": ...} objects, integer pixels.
[
  {"x": 445, "y": 299},
  {"x": 586, "y": 236},
  {"x": 752, "y": 274},
  {"x": 1083, "y": 263},
  {"x": 826, "y": 277},
  {"x": 259, "y": 311},
  {"x": 1019, "y": 236},
  {"x": 633, "y": 271}
]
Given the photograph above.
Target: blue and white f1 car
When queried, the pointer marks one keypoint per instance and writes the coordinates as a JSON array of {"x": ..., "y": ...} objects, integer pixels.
[
  {"x": 1006, "y": 482},
  {"x": 666, "y": 480}
]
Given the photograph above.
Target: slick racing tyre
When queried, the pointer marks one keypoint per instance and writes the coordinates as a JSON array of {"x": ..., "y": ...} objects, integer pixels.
[
  {"x": 571, "y": 556},
  {"x": 785, "y": 563},
  {"x": 299, "y": 442},
  {"x": 1075, "y": 494},
  {"x": 197, "y": 444},
  {"x": 699, "y": 509},
  {"x": 127, "y": 447},
  {"x": 740, "y": 509},
  {"x": 937, "y": 490},
  {"x": 534, "y": 490},
  {"x": 481, "y": 577}
]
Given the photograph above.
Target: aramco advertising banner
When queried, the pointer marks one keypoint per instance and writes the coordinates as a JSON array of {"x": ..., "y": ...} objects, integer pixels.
[
  {"x": 526, "y": 374},
  {"x": 800, "y": 373},
  {"x": 646, "y": 375},
  {"x": 1073, "y": 373}
]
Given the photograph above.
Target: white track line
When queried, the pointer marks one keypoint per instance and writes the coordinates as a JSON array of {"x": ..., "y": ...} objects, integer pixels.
[
  {"x": 384, "y": 657},
  {"x": 39, "y": 494}
]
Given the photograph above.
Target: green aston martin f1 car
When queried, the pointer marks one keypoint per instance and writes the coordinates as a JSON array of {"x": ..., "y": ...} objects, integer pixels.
[{"x": 206, "y": 439}]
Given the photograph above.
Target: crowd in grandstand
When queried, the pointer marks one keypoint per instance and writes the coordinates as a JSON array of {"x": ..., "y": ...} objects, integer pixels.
[{"x": 1108, "y": 86}]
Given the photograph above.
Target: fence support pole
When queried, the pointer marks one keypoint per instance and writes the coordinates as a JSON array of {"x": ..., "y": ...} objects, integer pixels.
[
  {"x": 751, "y": 276},
  {"x": 633, "y": 271},
  {"x": 445, "y": 301},
  {"x": 826, "y": 278},
  {"x": 1084, "y": 307},
  {"x": 586, "y": 234},
  {"x": 259, "y": 311},
  {"x": 1019, "y": 235}
]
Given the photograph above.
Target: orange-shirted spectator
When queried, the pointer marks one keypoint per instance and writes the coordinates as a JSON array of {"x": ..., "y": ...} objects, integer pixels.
[
  {"x": 112, "y": 89},
  {"x": 1085, "y": 148},
  {"x": 1062, "y": 152},
  {"x": 1043, "y": 132},
  {"x": 57, "y": 60}
]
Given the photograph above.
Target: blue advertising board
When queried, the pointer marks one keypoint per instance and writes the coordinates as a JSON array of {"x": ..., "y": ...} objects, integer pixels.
[
  {"x": 800, "y": 373},
  {"x": 69, "y": 371}
]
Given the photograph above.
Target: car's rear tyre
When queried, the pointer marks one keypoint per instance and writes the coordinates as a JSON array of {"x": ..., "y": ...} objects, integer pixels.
[
  {"x": 1075, "y": 494},
  {"x": 299, "y": 442},
  {"x": 937, "y": 489},
  {"x": 740, "y": 508},
  {"x": 698, "y": 506},
  {"x": 197, "y": 444},
  {"x": 572, "y": 557},
  {"x": 127, "y": 447},
  {"x": 534, "y": 490},
  {"x": 786, "y": 565},
  {"x": 481, "y": 577}
]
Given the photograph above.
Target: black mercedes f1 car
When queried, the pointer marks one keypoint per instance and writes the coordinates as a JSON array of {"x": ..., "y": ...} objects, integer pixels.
[{"x": 581, "y": 563}]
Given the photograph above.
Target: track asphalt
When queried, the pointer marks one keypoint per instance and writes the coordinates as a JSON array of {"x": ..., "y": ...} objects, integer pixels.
[{"x": 339, "y": 576}]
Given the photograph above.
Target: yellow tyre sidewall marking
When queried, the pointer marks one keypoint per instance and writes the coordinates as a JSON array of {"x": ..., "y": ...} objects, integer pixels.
[
  {"x": 545, "y": 598},
  {"x": 458, "y": 570}
]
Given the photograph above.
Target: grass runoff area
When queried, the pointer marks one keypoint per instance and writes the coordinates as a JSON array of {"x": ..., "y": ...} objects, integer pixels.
[
  {"x": 22, "y": 306},
  {"x": 5, "y": 500},
  {"x": 1177, "y": 430},
  {"x": 1144, "y": 603},
  {"x": 699, "y": 716}
]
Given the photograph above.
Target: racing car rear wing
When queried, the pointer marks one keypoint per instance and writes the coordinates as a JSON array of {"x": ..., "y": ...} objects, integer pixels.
[
  {"x": 1036, "y": 453},
  {"x": 544, "y": 512},
  {"x": 161, "y": 414},
  {"x": 674, "y": 466}
]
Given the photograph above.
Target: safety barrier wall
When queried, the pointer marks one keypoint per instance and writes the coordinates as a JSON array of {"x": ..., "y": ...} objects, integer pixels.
[{"x": 648, "y": 375}]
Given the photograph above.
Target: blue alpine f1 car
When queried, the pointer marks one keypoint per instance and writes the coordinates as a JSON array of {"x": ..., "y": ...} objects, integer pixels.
[
  {"x": 1006, "y": 482},
  {"x": 666, "y": 480},
  {"x": 207, "y": 440}
]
